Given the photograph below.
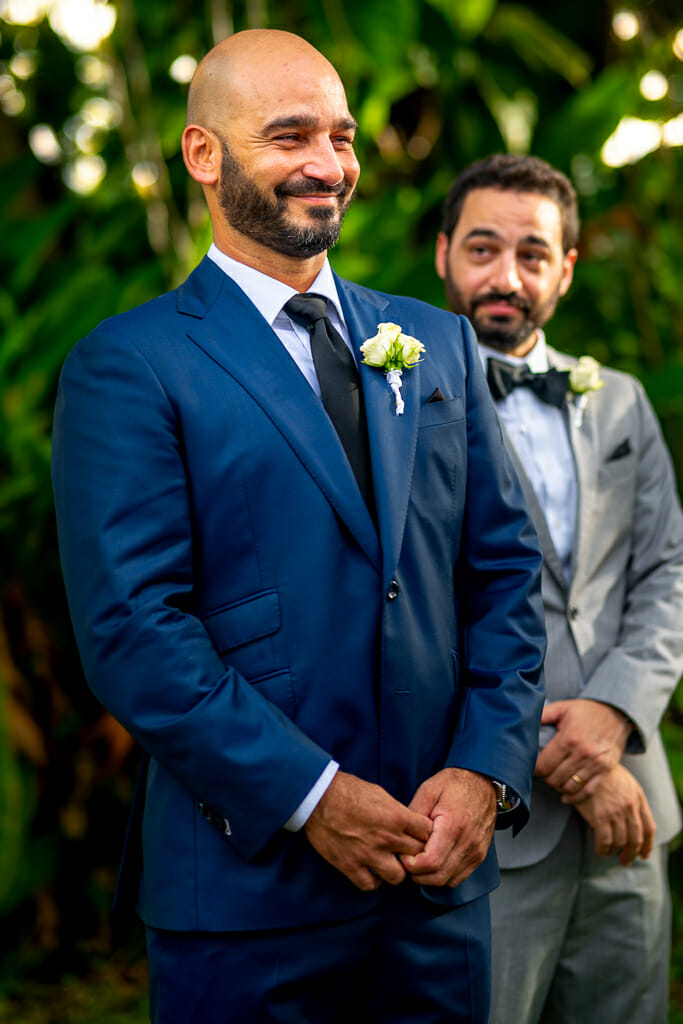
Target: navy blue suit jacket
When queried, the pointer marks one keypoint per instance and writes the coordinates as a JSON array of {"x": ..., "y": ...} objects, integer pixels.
[{"x": 228, "y": 588}]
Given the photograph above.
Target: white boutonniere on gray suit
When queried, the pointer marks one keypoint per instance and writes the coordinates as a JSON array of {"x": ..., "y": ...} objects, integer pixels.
[{"x": 583, "y": 379}]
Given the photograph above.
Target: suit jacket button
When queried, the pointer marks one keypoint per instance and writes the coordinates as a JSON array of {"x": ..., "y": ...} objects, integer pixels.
[
  {"x": 392, "y": 592},
  {"x": 573, "y": 613}
]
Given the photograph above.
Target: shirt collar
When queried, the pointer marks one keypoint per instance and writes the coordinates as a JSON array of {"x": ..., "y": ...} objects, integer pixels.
[
  {"x": 268, "y": 294},
  {"x": 536, "y": 360}
]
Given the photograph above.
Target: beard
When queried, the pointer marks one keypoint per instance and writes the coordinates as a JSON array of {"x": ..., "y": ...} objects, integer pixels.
[
  {"x": 263, "y": 217},
  {"x": 499, "y": 332}
]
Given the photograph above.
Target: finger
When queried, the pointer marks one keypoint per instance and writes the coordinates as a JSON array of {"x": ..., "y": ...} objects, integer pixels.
[
  {"x": 417, "y": 824},
  {"x": 406, "y": 845},
  {"x": 436, "y": 851},
  {"x": 459, "y": 864},
  {"x": 553, "y": 712},
  {"x": 634, "y": 842},
  {"x": 649, "y": 830},
  {"x": 604, "y": 839},
  {"x": 362, "y": 877},
  {"x": 580, "y": 780},
  {"x": 550, "y": 758},
  {"x": 619, "y": 835},
  {"x": 388, "y": 869},
  {"x": 590, "y": 782}
]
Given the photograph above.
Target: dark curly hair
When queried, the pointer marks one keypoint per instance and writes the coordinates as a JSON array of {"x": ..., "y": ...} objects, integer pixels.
[{"x": 508, "y": 172}]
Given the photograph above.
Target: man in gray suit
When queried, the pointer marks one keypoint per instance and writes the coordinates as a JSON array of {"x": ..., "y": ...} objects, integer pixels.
[{"x": 581, "y": 921}]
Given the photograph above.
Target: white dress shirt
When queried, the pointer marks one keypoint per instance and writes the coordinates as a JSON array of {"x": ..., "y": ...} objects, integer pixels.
[
  {"x": 539, "y": 433},
  {"x": 269, "y": 296}
]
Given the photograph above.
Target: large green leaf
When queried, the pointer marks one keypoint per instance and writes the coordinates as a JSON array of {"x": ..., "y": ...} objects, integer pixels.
[{"x": 538, "y": 43}]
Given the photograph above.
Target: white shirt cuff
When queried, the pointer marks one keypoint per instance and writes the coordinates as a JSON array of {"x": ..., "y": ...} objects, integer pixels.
[{"x": 310, "y": 802}]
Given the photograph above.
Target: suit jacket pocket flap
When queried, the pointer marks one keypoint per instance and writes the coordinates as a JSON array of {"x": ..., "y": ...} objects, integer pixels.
[
  {"x": 434, "y": 413},
  {"x": 244, "y": 621}
]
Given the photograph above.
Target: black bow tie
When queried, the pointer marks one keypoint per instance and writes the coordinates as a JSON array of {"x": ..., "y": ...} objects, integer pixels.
[{"x": 550, "y": 387}]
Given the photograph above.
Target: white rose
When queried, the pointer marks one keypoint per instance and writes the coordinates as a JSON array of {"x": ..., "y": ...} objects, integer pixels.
[
  {"x": 412, "y": 349},
  {"x": 376, "y": 350},
  {"x": 585, "y": 376}
]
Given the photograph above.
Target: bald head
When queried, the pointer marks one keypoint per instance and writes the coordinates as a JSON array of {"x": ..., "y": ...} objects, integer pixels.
[
  {"x": 271, "y": 140},
  {"x": 250, "y": 68}
]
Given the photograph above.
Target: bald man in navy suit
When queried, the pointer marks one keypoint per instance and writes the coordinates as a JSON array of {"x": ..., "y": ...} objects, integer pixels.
[{"x": 327, "y": 635}]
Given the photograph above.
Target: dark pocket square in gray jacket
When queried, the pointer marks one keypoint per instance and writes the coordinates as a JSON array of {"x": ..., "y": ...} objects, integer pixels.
[{"x": 620, "y": 451}]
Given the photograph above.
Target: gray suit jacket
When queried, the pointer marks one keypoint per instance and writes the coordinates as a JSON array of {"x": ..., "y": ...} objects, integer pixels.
[{"x": 618, "y": 624}]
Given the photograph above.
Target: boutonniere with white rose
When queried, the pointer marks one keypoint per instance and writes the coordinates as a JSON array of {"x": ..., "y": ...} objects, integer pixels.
[
  {"x": 584, "y": 378},
  {"x": 392, "y": 351}
]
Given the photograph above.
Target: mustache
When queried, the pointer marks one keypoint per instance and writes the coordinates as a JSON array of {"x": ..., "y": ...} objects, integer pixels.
[
  {"x": 312, "y": 186},
  {"x": 510, "y": 298}
]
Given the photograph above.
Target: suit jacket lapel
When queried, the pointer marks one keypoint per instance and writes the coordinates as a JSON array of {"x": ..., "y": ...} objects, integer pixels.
[
  {"x": 227, "y": 326},
  {"x": 393, "y": 439}
]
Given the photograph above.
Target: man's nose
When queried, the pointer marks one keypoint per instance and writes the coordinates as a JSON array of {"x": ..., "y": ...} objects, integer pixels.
[
  {"x": 322, "y": 162},
  {"x": 505, "y": 277}
]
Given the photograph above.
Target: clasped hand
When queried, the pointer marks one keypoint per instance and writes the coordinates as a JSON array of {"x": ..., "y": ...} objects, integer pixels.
[
  {"x": 590, "y": 740},
  {"x": 439, "y": 839}
]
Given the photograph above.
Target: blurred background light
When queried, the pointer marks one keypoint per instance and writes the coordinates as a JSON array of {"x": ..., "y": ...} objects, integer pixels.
[
  {"x": 626, "y": 25},
  {"x": 631, "y": 140},
  {"x": 23, "y": 65},
  {"x": 182, "y": 68},
  {"x": 24, "y": 12},
  {"x": 99, "y": 112},
  {"x": 93, "y": 70},
  {"x": 44, "y": 144},
  {"x": 84, "y": 174},
  {"x": 672, "y": 131},
  {"x": 678, "y": 44},
  {"x": 654, "y": 86},
  {"x": 12, "y": 101},
  {"x": 82, "y": 24}
]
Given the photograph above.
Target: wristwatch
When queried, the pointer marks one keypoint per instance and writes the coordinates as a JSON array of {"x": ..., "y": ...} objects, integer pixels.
[{"x": 506, "y": 798}]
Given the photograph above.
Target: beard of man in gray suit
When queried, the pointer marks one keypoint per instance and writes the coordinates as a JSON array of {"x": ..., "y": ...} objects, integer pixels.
[{"x": 581, "y": 921}]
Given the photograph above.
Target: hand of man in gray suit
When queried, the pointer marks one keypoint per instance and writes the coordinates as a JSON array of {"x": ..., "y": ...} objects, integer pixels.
[
  {"x": 620, "y": 816},
  {"x": 590, "y": 740}
]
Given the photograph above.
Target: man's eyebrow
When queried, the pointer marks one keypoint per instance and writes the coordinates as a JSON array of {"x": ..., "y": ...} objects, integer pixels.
[
  {"x": 489, "y": 233},
  {"x": 305, "y": 121}
]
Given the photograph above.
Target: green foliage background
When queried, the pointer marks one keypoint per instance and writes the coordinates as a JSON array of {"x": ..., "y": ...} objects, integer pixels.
[{"x": 434, "y": 85}]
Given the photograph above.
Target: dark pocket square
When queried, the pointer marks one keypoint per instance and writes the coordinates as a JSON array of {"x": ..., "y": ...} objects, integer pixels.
[
  {"x": 435, "y": 396},
  {"x": 620, "y": 451}
]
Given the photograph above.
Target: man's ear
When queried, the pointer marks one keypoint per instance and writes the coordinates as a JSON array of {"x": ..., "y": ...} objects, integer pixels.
[
  {"x": 568, "y": 270},
  {"x": 441, "y": 255},
  {"x": 202, "y": 154}
]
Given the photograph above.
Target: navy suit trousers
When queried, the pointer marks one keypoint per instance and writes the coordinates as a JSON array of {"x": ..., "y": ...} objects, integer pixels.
[{"x": 409, "y": 961}]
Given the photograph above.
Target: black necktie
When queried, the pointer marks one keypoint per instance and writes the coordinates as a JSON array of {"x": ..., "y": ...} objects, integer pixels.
[
  {"x": 550, "y": 387},
  {"x": 339, "y": 383}
]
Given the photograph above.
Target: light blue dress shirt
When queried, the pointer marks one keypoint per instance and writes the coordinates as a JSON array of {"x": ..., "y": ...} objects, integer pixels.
[
  {"x": 539, "y": 433},
  {"x": 269, "y": 296}
]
